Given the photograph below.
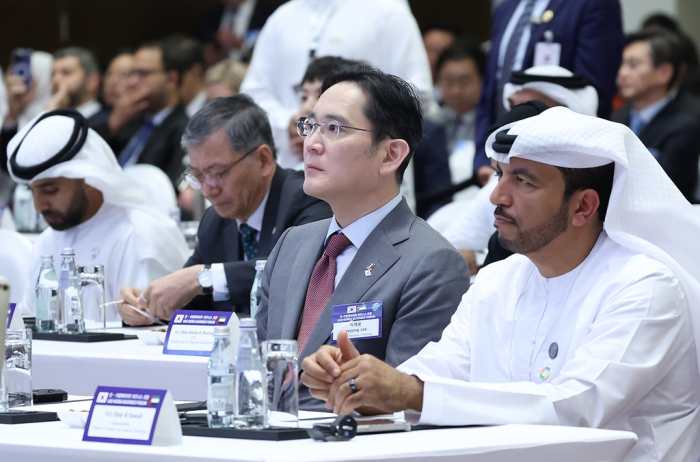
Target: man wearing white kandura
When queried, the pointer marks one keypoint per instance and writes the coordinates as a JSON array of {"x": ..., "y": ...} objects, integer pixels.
[
  {"x": 594, "y": 324},
  {"x": 90, "y": 205}
]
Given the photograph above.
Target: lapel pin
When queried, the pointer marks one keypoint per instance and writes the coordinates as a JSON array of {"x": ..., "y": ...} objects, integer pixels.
[
  {"x": 547, "y": 16},
  {"x": 368, "y": 270}
]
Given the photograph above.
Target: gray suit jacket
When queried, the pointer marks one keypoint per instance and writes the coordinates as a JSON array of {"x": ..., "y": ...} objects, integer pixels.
[{"x": 418, "y": 275}]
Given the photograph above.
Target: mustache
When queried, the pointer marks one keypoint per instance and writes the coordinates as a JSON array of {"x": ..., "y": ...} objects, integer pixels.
[{"x": 500, "y": 213}]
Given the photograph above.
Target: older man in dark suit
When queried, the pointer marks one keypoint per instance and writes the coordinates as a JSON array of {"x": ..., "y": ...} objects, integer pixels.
[
  {"x": 232, "y": 161},
  {"x": 374, "y": 258}
]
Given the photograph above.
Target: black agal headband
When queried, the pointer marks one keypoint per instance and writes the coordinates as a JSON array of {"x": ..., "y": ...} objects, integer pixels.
[
  {"x": 74, "y": 145},
  {"x": 574, "y": 82},
  {"x": 503, "y": 141}
]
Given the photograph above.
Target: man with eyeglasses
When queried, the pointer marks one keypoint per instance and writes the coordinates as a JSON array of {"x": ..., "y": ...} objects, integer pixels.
[
  {"x": 254, "y": 201},
  {"x": 147, "y": 123},
  {"x": 374, "y": 269}
]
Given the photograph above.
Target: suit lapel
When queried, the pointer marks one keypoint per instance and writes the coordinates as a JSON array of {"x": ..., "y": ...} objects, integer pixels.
[
  {"x": 265, "y": 243},
  {"x": 231, "y": 240},
  {"x": 309, "y": 252},
  {"x": 378, "y": 248}
]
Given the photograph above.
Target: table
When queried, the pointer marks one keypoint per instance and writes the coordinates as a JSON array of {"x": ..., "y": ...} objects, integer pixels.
[
  {"x": 56, "y": 442},
  {"x": 79, "y": 368}
]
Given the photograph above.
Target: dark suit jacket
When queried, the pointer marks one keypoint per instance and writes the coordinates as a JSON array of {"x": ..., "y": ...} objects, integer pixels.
[
  {"x": 591, "y": 38},
  {"x": 219, "y": 242},
  {"x": 208, "y": 23},
  {"x": 673, "y": 136},
  {"x": 418, "y": 275},
  {"x": 163, "y": 147},
  {"x": 431, "y": 167}
]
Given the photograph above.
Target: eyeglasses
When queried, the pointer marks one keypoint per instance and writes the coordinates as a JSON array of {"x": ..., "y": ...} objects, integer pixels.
[
  {"x": 142, "y": 73},
  {"x": 330, "y": 129},
  {"x": 215, "y": 180}
]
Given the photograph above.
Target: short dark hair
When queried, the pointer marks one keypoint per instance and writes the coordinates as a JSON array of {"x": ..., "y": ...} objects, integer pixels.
[
  {"x": 666, "y": 47},
  {"x": 453, "y": 29},
  {"x": 393, "y": 106},
  {"x": 244, "y": 123},
  {"x": 86, "y": 58},
  {"x": 599, "y": 179},
  {"x": 321, "y": 68},
  {"x": 463, "y": 48},
  {"x": 179, "y": 53}
]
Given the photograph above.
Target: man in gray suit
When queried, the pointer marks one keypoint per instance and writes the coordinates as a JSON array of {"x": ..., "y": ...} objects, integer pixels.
[{"x": 374, "y": 269}]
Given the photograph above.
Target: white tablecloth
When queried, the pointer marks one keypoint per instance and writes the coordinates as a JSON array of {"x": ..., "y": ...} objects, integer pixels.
[
  {"x": 79, "y": 368},
  {"x": 56, "y": 442}
]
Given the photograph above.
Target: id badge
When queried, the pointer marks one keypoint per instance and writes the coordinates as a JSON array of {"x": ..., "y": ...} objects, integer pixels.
[
  {"x": 361, "y": 320},
  {"x": 547, "y": 54}
]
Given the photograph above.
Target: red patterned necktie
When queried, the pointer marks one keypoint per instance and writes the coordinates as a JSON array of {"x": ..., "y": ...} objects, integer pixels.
[{"x": 321, "y": 287}]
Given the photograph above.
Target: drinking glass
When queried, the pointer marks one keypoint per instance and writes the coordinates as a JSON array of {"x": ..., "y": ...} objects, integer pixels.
[
  {"x": 18, "y": 363},
  {"x": 281, "y": 363},
  {"x": 92, "y": 287}
]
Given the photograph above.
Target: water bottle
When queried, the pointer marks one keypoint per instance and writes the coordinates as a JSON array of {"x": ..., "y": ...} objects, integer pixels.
[
  {"x": 26, "y": 217},
  {"x": 46, "y": 296},
  {"x": 255, "y": 291},
  {"x": 70, "y": 307},
  {"x": 250, "y": 383},
  {"x": 220, "y": 372}
]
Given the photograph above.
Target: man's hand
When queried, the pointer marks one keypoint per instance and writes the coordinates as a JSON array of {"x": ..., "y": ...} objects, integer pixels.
[
  {"x": 128, "y": 105},
  {"x": 60, "y": 99},
  {"x": 483, "y": 174},
  {"x": 323, "y": 367},
  {"x": 170, "y": 293},
  {"x": 130, "y": 295},
  {"x": 380, "y": 387}
]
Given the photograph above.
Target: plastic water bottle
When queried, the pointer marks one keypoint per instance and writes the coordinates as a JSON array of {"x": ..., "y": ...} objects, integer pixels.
[
  {"x": 46, "y": 296},
  {"x": 255, "y": 291},
  {"x": 70, "y": 306},
  {"x": 250, "y": 384},
  {"x": 220, "y": 372}
]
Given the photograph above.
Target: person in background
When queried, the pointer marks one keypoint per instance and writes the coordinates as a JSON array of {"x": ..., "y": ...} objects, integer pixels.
[
  {"x": 191, "y": 68},
  {"x": 358, "y": 142},
  {"x": 224, "y": 79},
  {"x": 656, "y": 111},
  {"x": 254, "y": 201},
  {"x": 116, "y": 78},
  {"x": 75, "y": 82},
  {"x": 91, "y": 205},
  {"x": 436, "y": 39}
]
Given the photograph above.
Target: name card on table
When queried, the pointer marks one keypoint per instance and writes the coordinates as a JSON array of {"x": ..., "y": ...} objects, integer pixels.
[
  {"x": 192, "y": 332},
  {"x": 133, "y": 416},
  {"x": 11, "y": 313}
]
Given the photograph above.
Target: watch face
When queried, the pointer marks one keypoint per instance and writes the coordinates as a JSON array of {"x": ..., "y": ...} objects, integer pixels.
[{"x": 205, "y": 279}]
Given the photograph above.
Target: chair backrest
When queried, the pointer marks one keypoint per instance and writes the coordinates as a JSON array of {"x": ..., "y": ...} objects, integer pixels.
[
  {"x": 157, "y": 185},
  {"x": 15, "y": 262}
]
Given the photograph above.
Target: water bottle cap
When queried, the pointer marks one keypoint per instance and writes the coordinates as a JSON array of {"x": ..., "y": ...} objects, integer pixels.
[
  {"x": 68, "y": 251},
  {"x": 221, "y": 331},
  {"x": 47, "y": 258},
  {"x": 248, "y": 323},
  {"x": 260, "y": 265}
]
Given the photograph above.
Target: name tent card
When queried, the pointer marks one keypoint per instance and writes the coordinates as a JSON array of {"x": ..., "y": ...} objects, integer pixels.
[
  {"x": 11, "y": 314},
  {"x": 361, "y": 320},
  {"x": 192, "y": 332},
  {"x": 133, "y": 416}
]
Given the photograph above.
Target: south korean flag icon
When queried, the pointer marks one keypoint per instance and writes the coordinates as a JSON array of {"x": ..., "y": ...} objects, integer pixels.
[{"x": 102, "y": 397}]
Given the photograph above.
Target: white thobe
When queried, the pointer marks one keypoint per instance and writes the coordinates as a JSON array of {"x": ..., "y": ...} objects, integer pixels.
[
  {"x": 473, "y": 227},
  {"x": 133, "y": 253},
  {"x": 625, "y": 360},
  {"x": 382, "y": 33}
]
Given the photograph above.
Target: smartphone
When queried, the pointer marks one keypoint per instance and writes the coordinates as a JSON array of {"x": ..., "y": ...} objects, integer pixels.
[
  {"x": 21, "y": 64},
  {"x": 382, "y": 426}
]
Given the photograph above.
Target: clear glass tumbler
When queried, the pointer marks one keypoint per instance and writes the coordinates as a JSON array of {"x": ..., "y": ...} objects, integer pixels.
[
  {"x": 18, "y": 363},
  {"x": 281, "y": 364},
  {"x": 92, "y": 289}
]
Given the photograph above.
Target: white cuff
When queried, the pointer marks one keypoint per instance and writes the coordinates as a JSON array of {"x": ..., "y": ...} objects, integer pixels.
[{"x": 220, "y": 284}]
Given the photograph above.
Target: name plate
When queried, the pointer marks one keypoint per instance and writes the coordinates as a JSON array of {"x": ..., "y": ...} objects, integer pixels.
[
  {"x": 361, "y": 320},
  {"x": 10, "y": 314},
  {"x": 192, "y": 332},
  {"x": 133, "y": 416}
]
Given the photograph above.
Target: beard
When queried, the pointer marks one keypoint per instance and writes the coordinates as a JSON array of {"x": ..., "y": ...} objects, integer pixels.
[
  {"x": 533, "y": 240},
  {"x": 72, "y": 216}
]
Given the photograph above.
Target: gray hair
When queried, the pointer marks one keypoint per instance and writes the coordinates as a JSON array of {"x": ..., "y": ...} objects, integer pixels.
[
  {"x": 85, "y": 57},
  {"x": 245, "y": 124}
]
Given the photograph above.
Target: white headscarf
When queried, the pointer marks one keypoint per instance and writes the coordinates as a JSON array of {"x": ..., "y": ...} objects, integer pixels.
[
  {"x": 646, "y": 214},
  {"x": 581, "y": 100},
  {"x": 97, "y": 165},
  {"x": 40, "y": 64}
]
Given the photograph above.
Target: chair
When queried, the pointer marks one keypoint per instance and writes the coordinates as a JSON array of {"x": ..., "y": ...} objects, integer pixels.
[
  {"x": 15, "y": 262},
  {"x": 157, "y": 185}
]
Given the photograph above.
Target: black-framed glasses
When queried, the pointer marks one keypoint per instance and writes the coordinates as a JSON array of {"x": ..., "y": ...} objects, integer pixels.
[
  {"x": 329, "y": 128},
  {"x": 215, "y": 180}
]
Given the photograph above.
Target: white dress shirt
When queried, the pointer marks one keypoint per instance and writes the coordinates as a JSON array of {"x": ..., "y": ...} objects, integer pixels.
[
  {"x": 357, "y": 232},
  {"x": 196, "y": 104},
  {"x": 382, "y": 33},
  {"x": 625, "y": 356},
  {"x": 89, "y": 109},
  {"x": 219, "y": 281},
  {"x": 473, "y": 227}
]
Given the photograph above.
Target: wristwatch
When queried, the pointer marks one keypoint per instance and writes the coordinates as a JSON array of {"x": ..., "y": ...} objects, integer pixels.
[{"x": 206, "y": 280}]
